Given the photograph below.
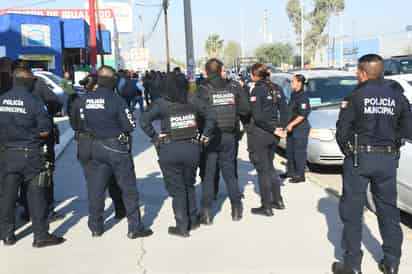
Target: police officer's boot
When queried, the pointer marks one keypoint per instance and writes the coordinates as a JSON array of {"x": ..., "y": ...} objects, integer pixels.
[
  {"x": 175, "y": 231},
  {"x": 384, "y": 268},
  {"x": 205, "y": 217},
  {"x": 9, "y": 240},
  {"x": 340, "y": 268},
  {"x": 237, "y": 212},
  {"x": 262, "y": 211},
  {"x": 49, "y": 240},
  {"x": 140, "y": 231}
]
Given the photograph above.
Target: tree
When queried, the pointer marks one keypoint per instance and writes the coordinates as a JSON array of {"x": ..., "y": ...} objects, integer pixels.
[
  {"x": 232, "y": 51},
  {"x": 214, "y": 45},
  {"x": 275, "y": 53},
  {"x": 318, "y": 19}
]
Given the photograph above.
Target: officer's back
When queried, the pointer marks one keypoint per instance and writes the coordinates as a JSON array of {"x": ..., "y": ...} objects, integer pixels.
[
  {"x": 107, "y": 113},
  {"x": 23, "y": 115}
]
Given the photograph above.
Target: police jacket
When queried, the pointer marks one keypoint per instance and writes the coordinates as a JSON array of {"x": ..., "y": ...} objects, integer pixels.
[
  {"x": 269, "y": 107},
  {"x": 106, "y": 114},
  {"x": 178, "y": 121},
  {"x": 299, "y": 106},
  {"x": 23, "y": 116},
  {"x": 227, "y": 100},
  {"x": 377, "y": 112}
]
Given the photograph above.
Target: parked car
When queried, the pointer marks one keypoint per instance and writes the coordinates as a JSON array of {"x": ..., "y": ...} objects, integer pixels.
[
  {"x": 52, "y": 80},
  {"x": 405, "y": 80},
  {"x": 404, "y": 181},
  {"x": 398, "y": 65},
  {"x": 326, "y": 90}
]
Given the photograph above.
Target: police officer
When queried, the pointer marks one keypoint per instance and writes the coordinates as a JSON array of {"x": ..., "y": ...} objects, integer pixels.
[
  {"x": 25, "y": 127},
  {"x": 297, "y": 131},
  {"x": 269, "y": 117},
  {"x": 84, "y": 141},
  {"x": 229, "y": 102},
  {"x": 110, "y": 122},
  {"x": 54, "y": 106},
  {"x": 178, "y": 148},
  {"x": 371, "y": 121}
]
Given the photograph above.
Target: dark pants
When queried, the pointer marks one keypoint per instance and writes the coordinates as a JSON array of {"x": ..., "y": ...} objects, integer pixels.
[
  {"x": 222, "y": 152},
  {"x": 378, "y": 169},
  {"x": 262, "y": 148},
  {"x": 137, "y": 100},
  {"x": 50, "y": 157},
  {"x": 110, "y": 158},
  {"x": 84, "y": 155},
  {"x": 20, "y": 168},
  {"x": 178, "y": 162},
  {"x": 296, "y": 152}
]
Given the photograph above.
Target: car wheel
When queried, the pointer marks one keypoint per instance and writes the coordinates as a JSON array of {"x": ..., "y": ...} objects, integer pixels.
[{"x": 369, "y": 199}]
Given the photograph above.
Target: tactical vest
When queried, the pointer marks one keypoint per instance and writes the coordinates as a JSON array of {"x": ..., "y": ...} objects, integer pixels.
[
  {"x": 223, "y": 101},
  {"x": 181, "y": 122}
]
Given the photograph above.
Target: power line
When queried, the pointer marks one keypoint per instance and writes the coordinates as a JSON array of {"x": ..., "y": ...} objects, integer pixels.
[{"x": 31, "y": 4}]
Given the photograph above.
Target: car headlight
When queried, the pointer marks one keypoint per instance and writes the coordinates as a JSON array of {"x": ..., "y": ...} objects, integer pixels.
[{"x": 322, "y": 134}]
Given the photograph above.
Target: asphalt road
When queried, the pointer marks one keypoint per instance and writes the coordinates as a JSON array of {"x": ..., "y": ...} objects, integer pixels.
[{"x": 305, "y": 238}]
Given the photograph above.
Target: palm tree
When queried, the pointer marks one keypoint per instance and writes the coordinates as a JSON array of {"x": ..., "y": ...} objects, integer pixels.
[{"x": 214, "y": 45}]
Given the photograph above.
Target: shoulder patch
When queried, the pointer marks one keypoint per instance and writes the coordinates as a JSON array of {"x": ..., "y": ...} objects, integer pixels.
[
  {"x": 304, "y": 106},
  {"x": 344, "y": 104}
]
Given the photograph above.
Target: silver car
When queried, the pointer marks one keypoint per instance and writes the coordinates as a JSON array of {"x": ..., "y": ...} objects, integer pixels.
[{"x": 326, "y": 90}]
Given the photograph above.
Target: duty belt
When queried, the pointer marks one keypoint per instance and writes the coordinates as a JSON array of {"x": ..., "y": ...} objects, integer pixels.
[
  {"x": 167, "y": 140},
  {"x": 24, "y": 149},
  {"x": 379, "y": 149}
]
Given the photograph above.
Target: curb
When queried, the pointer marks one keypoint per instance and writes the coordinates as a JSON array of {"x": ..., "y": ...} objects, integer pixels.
[{"x": 65, "y": 140}]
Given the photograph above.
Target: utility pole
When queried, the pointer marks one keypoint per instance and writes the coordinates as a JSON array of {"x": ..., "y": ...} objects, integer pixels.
[
  {"x": 190, "y": 53},
  {"x": 100, "y": 34},
  {"x": 302, "y": 36},
  {"x": 265, "y": 26},
  {"x": 142, "y": 27},
  {"x": 93, "y": 49},
  {"x": 341, "y": 39},
  {"x": 165, "y": 7}
]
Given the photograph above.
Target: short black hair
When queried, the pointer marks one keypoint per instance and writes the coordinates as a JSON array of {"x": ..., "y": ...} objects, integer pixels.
[
  {"x": 372, "y": 65},
  {"x": 106, "y": 71},
  {"x": 214, "y": 66},
  {"x": 300, "y": 78}
]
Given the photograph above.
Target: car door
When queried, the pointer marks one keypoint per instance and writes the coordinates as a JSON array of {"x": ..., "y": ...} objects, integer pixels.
[{"x": 405, "y": 178}]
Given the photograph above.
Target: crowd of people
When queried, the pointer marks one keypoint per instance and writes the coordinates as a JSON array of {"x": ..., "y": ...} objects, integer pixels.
[{"x": 198, "y": 131}]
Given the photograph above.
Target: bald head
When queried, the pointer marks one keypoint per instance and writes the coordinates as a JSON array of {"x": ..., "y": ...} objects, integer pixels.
[
  {"x": 370, "y": 67},
  {"x": 106, "y": 71}
]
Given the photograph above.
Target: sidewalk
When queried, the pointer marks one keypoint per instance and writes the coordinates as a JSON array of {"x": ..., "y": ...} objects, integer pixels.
[{"x": 305, "y": 238}]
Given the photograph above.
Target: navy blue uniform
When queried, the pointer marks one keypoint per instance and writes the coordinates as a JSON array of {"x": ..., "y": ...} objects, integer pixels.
[
  {"x": 108, "y": 118},
  {"x": 297, "y": 140},
  {"x": 84, "y": 140},
  {"x": 54, "y": 106},
  {"x": 229, "y": 102},
  {"x": 22, "y": 118},
  {"x": 380, "y": 116},
  {"x": 269, "y": 112},
  {"x": 178, "y": 152}
]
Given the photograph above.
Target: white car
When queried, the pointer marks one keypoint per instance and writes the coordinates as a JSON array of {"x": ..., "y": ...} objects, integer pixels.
[
  {"x": 404, "y": 181},
  {"x": 405, "y": 80},
  {"x": 52, "y": 80},
  {"x": 326, "y": 90}
]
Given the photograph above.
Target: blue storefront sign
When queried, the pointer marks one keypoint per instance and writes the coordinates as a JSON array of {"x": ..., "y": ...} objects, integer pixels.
[{"x": 35, "y": 35}]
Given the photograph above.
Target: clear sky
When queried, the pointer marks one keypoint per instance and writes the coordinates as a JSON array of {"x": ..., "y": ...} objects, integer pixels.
[{"x": 362, "y": 17}]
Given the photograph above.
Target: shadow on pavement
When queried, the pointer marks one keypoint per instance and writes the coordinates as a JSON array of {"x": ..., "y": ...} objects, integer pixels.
[{"x": 328, "y": 206}]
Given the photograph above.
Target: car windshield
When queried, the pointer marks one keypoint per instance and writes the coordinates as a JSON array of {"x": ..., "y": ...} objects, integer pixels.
[
  {"x": 406, "y": 66},
  {"x": 329, "y": 90}
]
